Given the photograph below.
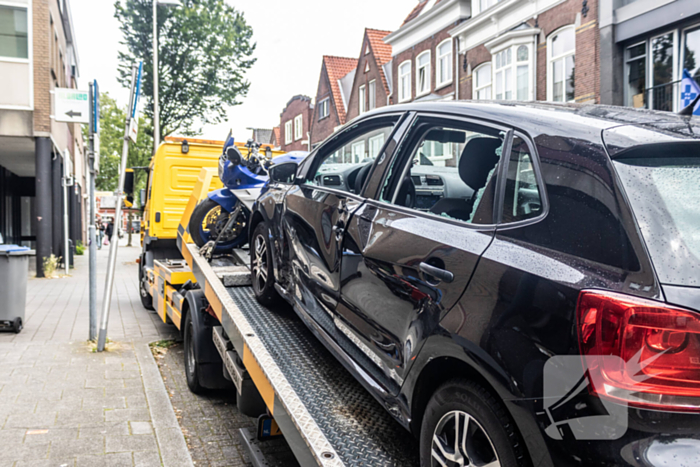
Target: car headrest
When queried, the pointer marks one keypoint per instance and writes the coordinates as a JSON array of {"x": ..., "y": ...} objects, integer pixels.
[{"x": 478, "y": 158}]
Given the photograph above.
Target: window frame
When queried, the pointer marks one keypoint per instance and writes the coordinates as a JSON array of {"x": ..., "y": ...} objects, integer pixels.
[
  {"x": 27, "y": 7},
  {"x": 549, "y": 73},
  {"x": 427, "y": 74},
  {"x": 408, "y": 75},
  {"x": 361, "y": 99},
  {"x": 501, "y": 186},
  {"x": 500, "y": 173},
  {"x": 475, "y": 87},
  {"x": 324, "y": 104},
  {"x": 289, "y": 131},
  {"x": 372, "y": 95},
  {"x": 440, "y": 82},
  {"x": 298, "y": 127},
  {"x": 628, "y": 60}
]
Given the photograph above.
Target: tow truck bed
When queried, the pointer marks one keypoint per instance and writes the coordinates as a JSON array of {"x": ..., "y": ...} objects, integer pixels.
[{"x": 325, "y": 415}]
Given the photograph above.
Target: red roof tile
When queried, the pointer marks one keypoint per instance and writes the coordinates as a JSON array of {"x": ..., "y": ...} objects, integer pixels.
[
  {"x": 337, "y": 67},
  {"x": 276, "y": 136},
  {"x": 417, "y": 11},
  {"x": 381, "y": 51}
]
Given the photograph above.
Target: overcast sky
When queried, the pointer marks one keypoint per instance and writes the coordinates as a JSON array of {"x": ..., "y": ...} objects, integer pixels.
[{"x": 291, "y": 36}]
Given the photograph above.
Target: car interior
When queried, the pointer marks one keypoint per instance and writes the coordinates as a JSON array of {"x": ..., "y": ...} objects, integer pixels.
[{"x": 450, "y": 171}]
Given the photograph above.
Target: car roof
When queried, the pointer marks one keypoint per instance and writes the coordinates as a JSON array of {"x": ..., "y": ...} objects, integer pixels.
[{"x": 531, "y": 116}]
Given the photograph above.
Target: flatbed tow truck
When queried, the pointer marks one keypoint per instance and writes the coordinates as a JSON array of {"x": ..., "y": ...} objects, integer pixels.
[{"x": 278, "y": 367}]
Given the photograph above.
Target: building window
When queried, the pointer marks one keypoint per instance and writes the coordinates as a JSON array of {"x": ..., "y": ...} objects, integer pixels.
[
  {"x": 662, "y": 71},
  {"x": 372, "y": 95},
  {"x": 298, "y": 127},
  {"x": 482, "y": 81},
  {"x": 522, "y": 73},
  {"x": 444, "y": 63},
  {"x": 358, "y": 152},
  {"x": 423, "y": 73},
  {"x": 405, "y": 81},
  {"x": 362, "y": 99},
  {"x": 14, "y": 32},
  {"x": 375, "y": 145},
  {"x": 288, "y": 129},
  {"x": 561, "y": 47},
  {"x": 504, "y": 74},
  {"x": 636, "y": 59},
  {"x": 324, "y": 108}
]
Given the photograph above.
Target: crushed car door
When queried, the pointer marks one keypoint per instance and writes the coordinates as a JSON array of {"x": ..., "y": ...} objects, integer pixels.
[{"x": 409, "y": 254}]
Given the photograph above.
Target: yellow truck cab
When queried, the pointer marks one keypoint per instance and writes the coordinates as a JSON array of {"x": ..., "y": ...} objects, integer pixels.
[{"x": 172, "y": 175}]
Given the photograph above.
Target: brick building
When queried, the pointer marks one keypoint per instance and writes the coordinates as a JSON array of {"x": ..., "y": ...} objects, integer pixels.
[
  {"x": 295, "y": 124},
  {"x": 334, "y": 87},
  {"x": 371, "y": 86},
  {"x": 38, "y": 54},
  {"x": 519, "y": 50},
  {"x": 424, "y": 52}
]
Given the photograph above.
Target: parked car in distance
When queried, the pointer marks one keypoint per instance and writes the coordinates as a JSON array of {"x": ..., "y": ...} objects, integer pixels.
[{"x": 517, "y": 284}]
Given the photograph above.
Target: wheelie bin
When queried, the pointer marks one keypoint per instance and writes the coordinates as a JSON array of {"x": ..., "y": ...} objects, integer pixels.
[{"x": 14, "y": 264}]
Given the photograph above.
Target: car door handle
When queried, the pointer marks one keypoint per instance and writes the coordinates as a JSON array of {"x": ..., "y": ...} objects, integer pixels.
[{"x": 438, "y": 273}]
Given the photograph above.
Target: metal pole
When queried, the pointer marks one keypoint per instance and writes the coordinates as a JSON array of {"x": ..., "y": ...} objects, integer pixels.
[
  {"x": 156, "y": 110},
  {"x": 114, "y": 241},
  {"x": 92, "y": 216},
  {"x": 66, "y": 252}
]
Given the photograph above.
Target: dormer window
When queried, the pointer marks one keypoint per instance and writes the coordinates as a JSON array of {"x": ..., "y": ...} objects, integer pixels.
[{"x": 486, "y": 4}]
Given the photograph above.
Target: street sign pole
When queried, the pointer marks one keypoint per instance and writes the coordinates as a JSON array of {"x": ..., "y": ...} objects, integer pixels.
[
  {"x": 94, "y": 124},
  {"x": 114, "y": 241}
]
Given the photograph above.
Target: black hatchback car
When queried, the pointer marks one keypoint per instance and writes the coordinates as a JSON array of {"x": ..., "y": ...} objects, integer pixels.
[{"x": 516, "y": 284}]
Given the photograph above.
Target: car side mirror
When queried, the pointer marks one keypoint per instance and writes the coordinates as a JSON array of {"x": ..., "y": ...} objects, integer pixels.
[
  {"x": 234, "y": 155},
  {"x": 143, "y": 198},
  {"x": 284, "y": 173}
]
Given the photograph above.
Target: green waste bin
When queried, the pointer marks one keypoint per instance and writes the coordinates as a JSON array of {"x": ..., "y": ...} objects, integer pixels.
[{"x": 14, "y": 269}]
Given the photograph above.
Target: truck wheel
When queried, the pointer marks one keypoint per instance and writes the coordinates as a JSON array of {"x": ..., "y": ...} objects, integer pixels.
[
  {"x": 191, "y": 366},
  {"x": 144, "y": 292},
  {"x": 464, "y": 424},
  {"x": 207, "y": 219},
  {"x": 261, "y": 273}
]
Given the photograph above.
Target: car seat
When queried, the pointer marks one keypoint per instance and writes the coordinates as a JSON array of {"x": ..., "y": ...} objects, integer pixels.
[{"x": 476, "y": 166}]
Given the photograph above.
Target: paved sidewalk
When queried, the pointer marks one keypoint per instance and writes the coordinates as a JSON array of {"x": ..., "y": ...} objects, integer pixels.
[{"x": 61, "y": 404}]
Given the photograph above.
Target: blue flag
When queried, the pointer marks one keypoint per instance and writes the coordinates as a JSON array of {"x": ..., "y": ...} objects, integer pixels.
[{"x": 689, "y": 91}]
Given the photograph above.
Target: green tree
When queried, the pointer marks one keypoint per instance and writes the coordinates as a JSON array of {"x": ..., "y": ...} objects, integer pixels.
[
  {"x": 204, "y": 51},
  {"x": 112, "y": 122}
]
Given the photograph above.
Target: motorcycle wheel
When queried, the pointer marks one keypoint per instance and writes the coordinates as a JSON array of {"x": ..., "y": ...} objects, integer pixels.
[{"x": 207, "y": 215}]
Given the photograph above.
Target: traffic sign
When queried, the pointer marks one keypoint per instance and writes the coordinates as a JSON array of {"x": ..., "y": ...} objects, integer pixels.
[{"x": 71, "y": 105}]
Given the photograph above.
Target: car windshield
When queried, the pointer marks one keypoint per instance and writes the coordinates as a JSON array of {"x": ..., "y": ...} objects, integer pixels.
[{"x": 665, "y": 196}]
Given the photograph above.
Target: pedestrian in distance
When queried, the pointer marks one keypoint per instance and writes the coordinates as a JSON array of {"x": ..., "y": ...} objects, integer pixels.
[{"x": 108, "y": 231}]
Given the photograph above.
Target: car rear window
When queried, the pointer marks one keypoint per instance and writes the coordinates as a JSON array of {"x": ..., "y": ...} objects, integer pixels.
[{"x": 665, "y": 196}]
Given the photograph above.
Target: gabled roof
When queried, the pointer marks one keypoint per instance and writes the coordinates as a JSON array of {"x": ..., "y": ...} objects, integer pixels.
[
  {"x": 275, "y": 136},
  {"x": 417, "y": 11},
  {"x": 381, "y": 51},
  {"x": 336, "y": 68}
]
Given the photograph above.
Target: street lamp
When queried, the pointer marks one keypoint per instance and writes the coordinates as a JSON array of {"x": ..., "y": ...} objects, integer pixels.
[{"x": 156, "y": 116}]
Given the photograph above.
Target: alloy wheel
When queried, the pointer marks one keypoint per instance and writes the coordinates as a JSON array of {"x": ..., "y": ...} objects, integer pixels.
[
  {"x": 260, "y": 262},
  {"x": 460, "y": 441}
]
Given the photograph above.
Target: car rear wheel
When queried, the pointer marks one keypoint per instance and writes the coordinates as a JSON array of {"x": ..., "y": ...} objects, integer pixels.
[
  {"x": 261, "y": 273},
  {"x": 464, "y": 425}
]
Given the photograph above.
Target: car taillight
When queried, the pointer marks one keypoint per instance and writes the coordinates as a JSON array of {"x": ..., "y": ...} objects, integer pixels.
[{"x": 640, "y": 351}]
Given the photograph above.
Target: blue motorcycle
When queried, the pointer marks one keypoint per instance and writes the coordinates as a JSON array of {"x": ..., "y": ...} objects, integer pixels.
[{"x": 219, "y": 223}]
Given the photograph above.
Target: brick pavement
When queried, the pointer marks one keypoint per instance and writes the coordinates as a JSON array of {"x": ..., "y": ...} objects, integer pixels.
[
  {"x": 63, "y": 405},
  {"x": 211, "y": 421}
]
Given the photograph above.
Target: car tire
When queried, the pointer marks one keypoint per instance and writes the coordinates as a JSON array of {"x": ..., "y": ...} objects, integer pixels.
[
  {"x": 468, "y": 405},
  {"x": 261, "y": 271},
  {"x": 191, "y": 365},
  {"x": 144, "y": 293}
]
